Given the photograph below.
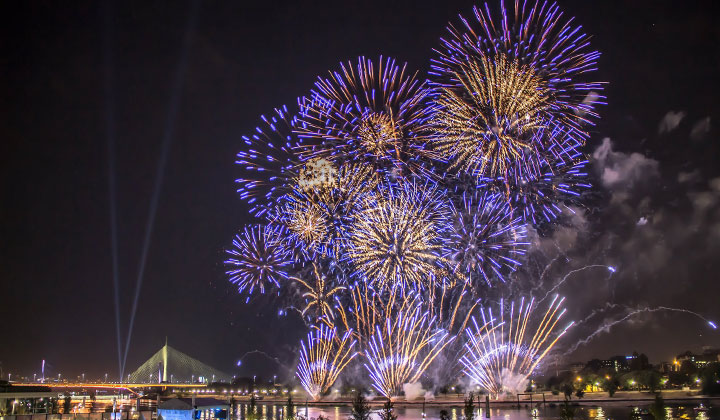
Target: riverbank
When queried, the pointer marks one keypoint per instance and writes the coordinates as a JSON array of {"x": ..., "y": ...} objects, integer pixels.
[{"x": 590, "y": 398}]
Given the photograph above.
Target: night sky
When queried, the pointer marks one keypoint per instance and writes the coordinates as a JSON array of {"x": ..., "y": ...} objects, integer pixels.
[{"x": 67, "y": 69}]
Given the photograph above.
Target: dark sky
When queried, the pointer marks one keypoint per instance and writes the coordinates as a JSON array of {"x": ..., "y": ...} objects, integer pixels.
[{"x": 244, "y": 59}]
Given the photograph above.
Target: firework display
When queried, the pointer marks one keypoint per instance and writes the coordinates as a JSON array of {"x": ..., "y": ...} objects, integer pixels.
[
  {"x": 504, "y": 86},
  {"x": 319, "y": 295},
  {"x": 394, "y": 207},
  {"x": 268, "y": 161},
  {"x": 323, "y": 358},
  {"x": 396, "y": 240},
  {"x": 524, "y": 67},
  {"x": 485, "y": 124},
  {"x": 486, "y": 240},
  {"x": 544, "y": 184},
  {"x": 501, "y": 353},
  {"x": 319, "y": 209},
  {"x": 372, "y": 112},
  {"x": 258, "y": 259},
  {"x": 401, "y": 350}
]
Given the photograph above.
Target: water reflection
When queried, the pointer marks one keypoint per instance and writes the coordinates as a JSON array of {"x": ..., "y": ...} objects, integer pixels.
[{"x": 616, "y": 411}]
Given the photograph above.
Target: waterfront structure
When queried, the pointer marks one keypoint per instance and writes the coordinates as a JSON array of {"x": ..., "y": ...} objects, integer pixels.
[
  {"x": 25, "y": 399},
  {"x": 188, "y": 409}
]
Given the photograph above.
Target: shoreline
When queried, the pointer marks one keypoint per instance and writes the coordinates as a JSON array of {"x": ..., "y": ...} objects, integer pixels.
[{"x": 672, "y": 396}]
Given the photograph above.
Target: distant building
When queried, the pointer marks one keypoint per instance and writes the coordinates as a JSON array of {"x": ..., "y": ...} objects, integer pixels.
[
  {"x": 666, "y": 367},
  {"x": 575, "y": 368},
  {"x": 709, "y": 355},
  {"x": 617, "y": 363},
  {"x": 614, "y": 364}
]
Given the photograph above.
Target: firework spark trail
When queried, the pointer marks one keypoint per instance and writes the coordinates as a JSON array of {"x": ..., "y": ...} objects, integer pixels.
[
  {"x": 445, "y": 302},
  {"x": 540, "y": 186},
  {"x": 267, "y": 356},
  {"x": 323, "y": 359},
  {"x": 306, "y": 223},
  {"x": 367, "y": 309},
  {"x": 546, "y": 269},
  {"x": 496, "y": 348},
  {"x": 608, "y": 306},
  {"x": 452, "y": 302},
  {"x": 402, "y": 349},
  {"x": 319, "y": 296},
  {"x": 610, "y": 269},
  {"x": 512, "y": 105},
  {"x": 486, "y": 121},
  {"x": 607, "y": 326}
]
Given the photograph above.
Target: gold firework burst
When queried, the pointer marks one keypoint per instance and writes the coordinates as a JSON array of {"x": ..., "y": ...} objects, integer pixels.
[
  {"x": 486, "y": 120},
  {"x": 395, "y": 240},
  {"x": 305, "y": 221},
  {"x": 379, "y": 132},
  {"x": 371, "y": 112}
]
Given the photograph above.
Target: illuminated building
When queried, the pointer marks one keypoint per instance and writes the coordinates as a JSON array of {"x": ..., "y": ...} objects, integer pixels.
[{"x": 709, "y": 355}]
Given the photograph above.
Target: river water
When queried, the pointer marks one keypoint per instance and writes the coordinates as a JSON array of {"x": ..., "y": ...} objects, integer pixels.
[{"x": 614, "y": 411}]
